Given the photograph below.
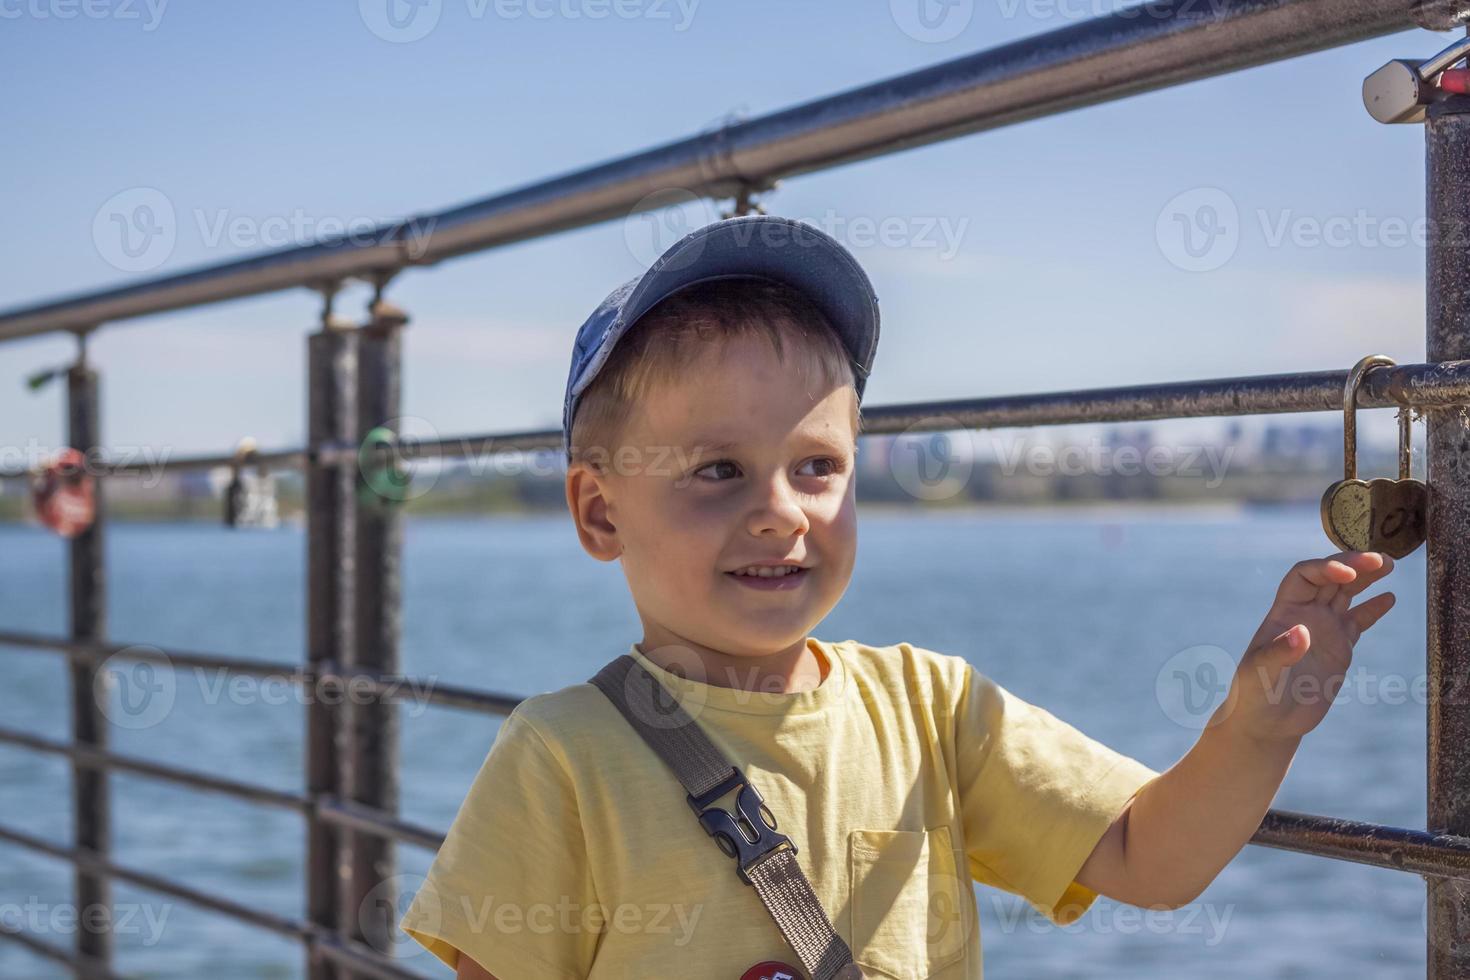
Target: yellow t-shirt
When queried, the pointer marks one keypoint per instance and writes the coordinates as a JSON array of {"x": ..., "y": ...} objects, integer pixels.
[{"x": 575, "y": 854}]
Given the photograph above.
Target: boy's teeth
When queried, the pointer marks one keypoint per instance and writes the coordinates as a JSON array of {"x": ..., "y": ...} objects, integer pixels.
[{"x": 768, "y": 571}]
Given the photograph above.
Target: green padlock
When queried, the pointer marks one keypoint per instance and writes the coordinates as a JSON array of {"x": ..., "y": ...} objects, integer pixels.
[{"x": 385, "y": 479}]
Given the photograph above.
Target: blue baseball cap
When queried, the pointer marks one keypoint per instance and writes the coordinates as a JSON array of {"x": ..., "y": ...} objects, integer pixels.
[{"x": 752, "y": 246}]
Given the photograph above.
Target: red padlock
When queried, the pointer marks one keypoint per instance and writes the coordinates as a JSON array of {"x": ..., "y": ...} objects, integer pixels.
[
  {"x": 1456, "y": 81},
  {"x": 772, "y": 970},
  {"x": 63, "y": 495}
]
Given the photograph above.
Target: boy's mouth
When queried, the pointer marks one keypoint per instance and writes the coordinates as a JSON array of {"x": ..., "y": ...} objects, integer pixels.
[{"x": 770, "y": 576}]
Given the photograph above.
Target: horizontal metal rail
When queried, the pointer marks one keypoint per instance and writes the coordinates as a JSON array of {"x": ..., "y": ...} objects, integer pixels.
[
  {"x": 1397, "y": 848},
  {"x": 169, "y": 657},
  {"x": 1394, "y": 848},
  {"x": 440, "y": 695},
  {"x": 84, "y": 967},
  {"x": 1133, "y": 50},
  {"x": 270, "y": 922},
  {"x": 95, "y": 759},
  {"x": 421, "y": 690},
  {"x": 1419, "y": 385},
  {"x": 331, "y": 945},
  {"x": 362, "y": 960},
  {"x": 346, "y": 813},
  {"x": 1403, "y": 849}
]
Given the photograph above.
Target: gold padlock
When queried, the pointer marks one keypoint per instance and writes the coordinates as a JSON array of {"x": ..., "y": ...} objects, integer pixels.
[{"x": 1377, "y": 515}]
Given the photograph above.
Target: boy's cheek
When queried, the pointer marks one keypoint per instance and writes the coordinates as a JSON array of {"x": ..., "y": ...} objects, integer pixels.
[{"x": 844, "y": 514}]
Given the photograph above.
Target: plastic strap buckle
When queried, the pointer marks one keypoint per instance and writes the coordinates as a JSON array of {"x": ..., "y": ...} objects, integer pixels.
[{"x": 747, "y": 835}]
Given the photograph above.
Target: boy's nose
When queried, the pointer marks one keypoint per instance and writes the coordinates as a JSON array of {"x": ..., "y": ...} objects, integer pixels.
[{"x": 779, "y": 511}]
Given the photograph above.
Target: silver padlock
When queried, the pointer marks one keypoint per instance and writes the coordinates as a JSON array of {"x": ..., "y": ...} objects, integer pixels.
[
  {"x": 1400, "y": 91},
  {"x": 250, "y": 498}
]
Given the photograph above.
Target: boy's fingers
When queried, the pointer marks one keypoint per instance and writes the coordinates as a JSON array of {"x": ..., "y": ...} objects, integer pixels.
[
  {"x": 1369, "y": 611},
  {"x": 1316, "y": 578},
  {"x": 1371, "y": 566},
  {"x": 1287, "y": 647}
]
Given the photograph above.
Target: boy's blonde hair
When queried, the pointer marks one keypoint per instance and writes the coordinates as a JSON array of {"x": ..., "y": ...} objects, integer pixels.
[{"x": 680, "y": 329}]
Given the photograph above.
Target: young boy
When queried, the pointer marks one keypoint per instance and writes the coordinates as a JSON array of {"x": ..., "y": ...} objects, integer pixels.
[{"x": 711, "y": 421}]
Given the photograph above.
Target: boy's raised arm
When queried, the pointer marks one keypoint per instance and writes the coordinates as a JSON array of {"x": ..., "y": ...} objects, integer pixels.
[{"x": 1182, "y": 827}]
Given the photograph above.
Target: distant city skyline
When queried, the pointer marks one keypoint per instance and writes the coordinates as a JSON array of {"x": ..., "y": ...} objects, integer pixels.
[{"x": 1287, "y": 461}]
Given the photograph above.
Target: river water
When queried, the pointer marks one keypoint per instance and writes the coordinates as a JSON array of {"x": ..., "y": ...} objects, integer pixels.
[{"x": 1102, "y": 616}]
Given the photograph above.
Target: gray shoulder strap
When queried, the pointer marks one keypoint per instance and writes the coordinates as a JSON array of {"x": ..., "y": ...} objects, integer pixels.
[{"x": 764, "y": 859}]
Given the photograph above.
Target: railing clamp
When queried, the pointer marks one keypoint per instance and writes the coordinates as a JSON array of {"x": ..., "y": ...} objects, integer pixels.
[
  {"x": 37, "y": 380},
  {"x": 745, "y": 202},
  {"x": 383, "y": 317},
  {"x": 1401, "y": 90}
]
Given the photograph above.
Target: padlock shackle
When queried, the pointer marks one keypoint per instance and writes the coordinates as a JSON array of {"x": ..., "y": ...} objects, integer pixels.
[
  {"x": 1405, "y": 417},
  {"x": 1350, "y": 415},
  {"x": 245, "y": 453},
  {"x": 1433, "y": 66}
]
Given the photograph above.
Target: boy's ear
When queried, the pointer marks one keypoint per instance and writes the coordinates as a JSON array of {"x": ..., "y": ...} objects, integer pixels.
[{"x": 587, "y": 500}]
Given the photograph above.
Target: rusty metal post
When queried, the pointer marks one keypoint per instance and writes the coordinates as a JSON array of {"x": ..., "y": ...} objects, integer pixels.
[
  {"x": 330, "y": 569},
  {"x": 370, "y": 767},
  {"x": 1447, "y": 165},
  {"x": 91, "y": 812}
]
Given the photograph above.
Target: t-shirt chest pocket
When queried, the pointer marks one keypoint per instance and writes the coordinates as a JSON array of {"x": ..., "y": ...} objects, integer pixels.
[{"x": 905, "y": 902}]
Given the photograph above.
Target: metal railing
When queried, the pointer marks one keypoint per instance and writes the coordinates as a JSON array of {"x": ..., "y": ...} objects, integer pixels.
[{"x": 350, "y": 800}]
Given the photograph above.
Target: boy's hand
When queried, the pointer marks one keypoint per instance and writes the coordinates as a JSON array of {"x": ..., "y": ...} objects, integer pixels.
[{"x": 1297, "y": 661}]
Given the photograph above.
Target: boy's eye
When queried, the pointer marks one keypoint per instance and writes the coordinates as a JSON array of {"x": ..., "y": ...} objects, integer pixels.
[
  {"x": 717, "y": 463},
  {"x": 826, "y": 466}
]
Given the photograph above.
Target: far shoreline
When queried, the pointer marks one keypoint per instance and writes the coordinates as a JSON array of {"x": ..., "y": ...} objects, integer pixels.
[{"x": 1098, "y": 510}]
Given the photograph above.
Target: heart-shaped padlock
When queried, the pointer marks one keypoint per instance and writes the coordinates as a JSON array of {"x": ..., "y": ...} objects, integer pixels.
[{"x": 1375, "y": 515}]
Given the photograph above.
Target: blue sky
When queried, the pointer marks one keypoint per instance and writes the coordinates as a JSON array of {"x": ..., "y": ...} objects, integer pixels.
[{"x": 1037, "y": 257}]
